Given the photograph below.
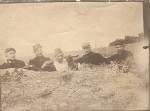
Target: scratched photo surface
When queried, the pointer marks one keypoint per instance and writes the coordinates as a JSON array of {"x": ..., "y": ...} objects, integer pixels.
[{"x": 73, "y": 56}]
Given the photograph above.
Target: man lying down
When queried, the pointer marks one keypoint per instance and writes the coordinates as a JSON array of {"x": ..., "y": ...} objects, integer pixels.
[{"x": 61, "y": 62}]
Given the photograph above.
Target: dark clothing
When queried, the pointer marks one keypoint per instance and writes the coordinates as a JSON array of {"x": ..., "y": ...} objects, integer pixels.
[
  {"x": 121, "y": 57},
  {"x": 92, "y": 58},
  {"x": 37, "y": 62},
  {"x": 12, "y": 64},
  {"x": 71, "y": 64}
]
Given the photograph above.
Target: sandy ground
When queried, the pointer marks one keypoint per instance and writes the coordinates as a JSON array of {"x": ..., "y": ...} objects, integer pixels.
[{"x": 98, "y": 88}]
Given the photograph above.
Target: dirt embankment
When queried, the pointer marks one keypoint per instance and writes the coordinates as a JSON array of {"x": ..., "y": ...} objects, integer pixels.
[{"x": 90, "y": 89}]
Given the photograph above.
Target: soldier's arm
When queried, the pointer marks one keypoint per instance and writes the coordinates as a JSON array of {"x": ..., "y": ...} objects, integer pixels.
[
  {"x": 48, "y": 65},
  {"x": 112, "y": 58},
  {"x": 103, "y": 60},
  {"x": 33, "y": 66},
  {"x": 80, "y": 60},
  {"x": 52, "y": 67},
  {"x": 49, "y": 68},
  {"x": 4, "y": 66}
]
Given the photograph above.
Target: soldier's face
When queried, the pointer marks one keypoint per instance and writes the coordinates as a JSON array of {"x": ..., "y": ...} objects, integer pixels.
[
  {"x": 11, "y": 55},
  {"x": 119, "y": 48},
  {"x": 38, "y": 52},
  {"x": 87, "y": 50},
  {"x": 59, "y": 57}
]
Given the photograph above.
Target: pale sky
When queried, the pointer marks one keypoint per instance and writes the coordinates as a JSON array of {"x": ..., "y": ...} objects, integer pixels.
[{"x": 67, "y": 25}]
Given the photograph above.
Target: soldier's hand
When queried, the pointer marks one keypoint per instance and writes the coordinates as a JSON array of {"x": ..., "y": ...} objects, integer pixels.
[
  {"x": 46, "y": 63},
  {"x": 49, "y": 62},
  {"x": 27, "y": 66}
]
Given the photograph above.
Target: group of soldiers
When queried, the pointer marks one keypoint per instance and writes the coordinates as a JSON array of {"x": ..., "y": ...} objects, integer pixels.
[{"x": 61, "y": 63}]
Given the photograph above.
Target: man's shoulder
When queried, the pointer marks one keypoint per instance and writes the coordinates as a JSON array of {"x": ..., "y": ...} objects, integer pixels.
[
  {"x": 31, "y": 60},
  {"x": 113, "y": 56}
]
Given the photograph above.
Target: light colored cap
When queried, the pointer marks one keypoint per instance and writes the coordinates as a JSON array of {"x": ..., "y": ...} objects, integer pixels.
[
  {"x": 57, "y": 51},
  {"x": 35, "y": 47},
  {"x": 86, "y": 45},
  {"x": 9, "y": 49}
]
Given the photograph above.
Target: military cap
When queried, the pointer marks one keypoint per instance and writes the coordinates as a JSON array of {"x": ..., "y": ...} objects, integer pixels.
[
  {"x": 9, "y": 49},
  {"x": 119, "y": 42},
  {"x": 57, "y": 51},
  {"x": 36, "y": 46},
  {"x": 86, "y": 45}
]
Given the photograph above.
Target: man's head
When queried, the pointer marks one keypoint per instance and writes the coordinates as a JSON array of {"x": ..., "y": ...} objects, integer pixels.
[
  {"x": 58, "y": 55},
  {"x": 38, "y": 50},
  {"x": 119, "y": 47},
  {"x": 86, "y": 48},
  {"x": 10, "y": 53}
]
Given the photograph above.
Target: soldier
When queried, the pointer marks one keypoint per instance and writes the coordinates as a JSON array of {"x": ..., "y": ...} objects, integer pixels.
[
  {"x": 90, "y": 57},
  {"x": 40, "y": 63},
  {"x": 60, "y": 63},
  {"x": 122, "y": 54},
  {"x": 11, "y": 62}
]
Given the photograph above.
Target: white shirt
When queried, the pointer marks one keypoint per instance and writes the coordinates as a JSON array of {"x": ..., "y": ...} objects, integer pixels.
[{"x": 60, "y": 66}]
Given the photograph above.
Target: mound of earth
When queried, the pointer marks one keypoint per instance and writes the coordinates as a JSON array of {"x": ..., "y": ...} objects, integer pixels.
[{"x": 91, "y": 89}]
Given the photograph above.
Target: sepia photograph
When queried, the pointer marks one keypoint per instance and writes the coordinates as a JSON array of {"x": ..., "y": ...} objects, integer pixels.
[{"x": 74, "y": 56}]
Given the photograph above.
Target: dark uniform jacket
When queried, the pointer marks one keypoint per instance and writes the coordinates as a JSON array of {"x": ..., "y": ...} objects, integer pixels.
[
  {"x": 37, "y": 62},
  {"x": 121, "y": 57},
  {"x": 92, "y": 58},
  {"x": 12, "y": 64}
]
